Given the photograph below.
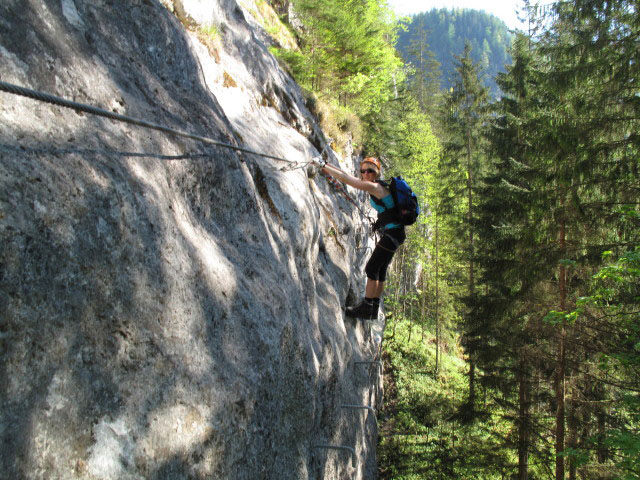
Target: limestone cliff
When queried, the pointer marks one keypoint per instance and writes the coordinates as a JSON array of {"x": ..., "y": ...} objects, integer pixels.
[{"x": 171, "y": 309}]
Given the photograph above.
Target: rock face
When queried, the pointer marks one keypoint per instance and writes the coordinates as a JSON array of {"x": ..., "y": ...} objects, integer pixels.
[{"x": 168, "y": 308}]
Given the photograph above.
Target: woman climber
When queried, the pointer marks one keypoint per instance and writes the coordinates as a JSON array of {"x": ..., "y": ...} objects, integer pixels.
[{"x": 393, "y": 234}]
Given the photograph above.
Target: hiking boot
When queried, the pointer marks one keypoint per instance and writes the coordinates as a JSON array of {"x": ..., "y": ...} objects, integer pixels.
[{"x": 367, "y": 310}]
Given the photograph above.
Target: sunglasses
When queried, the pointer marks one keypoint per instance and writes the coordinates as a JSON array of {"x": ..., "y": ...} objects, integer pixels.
[{"x": 367, "y": 170}]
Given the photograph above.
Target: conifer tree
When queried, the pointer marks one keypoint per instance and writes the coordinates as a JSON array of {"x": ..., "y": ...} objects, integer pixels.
[
  {"x": 589, "y": 69},
  {"x": 425, "y": 76},
  {"x": 508, "y": 253},
  {"x": 575, "y": 140},
  {"x": 464, "y": 121},
  {"x": 350, "y": 49}
]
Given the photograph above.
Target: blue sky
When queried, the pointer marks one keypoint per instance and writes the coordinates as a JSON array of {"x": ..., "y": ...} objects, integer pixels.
[{"x": 503, "y": 9}]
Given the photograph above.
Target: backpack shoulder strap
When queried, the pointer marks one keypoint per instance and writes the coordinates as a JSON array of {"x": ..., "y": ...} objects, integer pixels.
[{"x": 377, "y": 201}]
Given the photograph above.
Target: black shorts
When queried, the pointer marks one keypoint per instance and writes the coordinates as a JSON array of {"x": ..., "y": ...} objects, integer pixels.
[{"x": 382, "y": 255}]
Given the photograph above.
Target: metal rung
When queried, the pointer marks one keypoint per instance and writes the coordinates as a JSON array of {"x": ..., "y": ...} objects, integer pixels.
[
  {"x": 340, "y": 447},
  {"x": 362, "y": 407},
  {"x": 369, "y": 362}
]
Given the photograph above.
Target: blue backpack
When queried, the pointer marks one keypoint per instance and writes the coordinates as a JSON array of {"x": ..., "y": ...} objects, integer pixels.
[{"x": 406, "y": 208}]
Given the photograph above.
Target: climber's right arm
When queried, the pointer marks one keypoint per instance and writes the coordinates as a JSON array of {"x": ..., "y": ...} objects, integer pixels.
[{"x": 370, "y": 187}]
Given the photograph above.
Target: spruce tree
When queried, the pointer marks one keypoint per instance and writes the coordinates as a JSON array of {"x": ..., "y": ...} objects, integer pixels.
[
  {"x": 508, "y": 252},
  {"x": 574, "y": 142},
  {"x": 425, "y": 74},
  {"x": 464, "y": 121}
]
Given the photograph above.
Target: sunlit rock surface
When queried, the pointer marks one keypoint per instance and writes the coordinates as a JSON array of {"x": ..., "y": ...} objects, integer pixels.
[{"x": 168, "y": 308}]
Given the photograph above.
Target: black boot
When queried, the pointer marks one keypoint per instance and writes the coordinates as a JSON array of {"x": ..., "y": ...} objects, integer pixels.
[
  {"x": 374, "y": 308},
  {"x": 367, "y": 309}
]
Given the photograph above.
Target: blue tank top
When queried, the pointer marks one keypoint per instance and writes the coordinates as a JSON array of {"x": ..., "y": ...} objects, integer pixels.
[{"x": 388, "y": 203}]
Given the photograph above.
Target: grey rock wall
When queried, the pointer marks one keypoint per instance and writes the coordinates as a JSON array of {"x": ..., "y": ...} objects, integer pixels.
[{"x": 170, "y": 309}]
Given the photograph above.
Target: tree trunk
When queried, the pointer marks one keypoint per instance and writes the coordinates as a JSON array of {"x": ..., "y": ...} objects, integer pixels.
[
  {"x": 572, "y": 423},
  {"x": 523, "y": 420},
  {"x": 400, "y": 282},
  {"x": 561, "y": 362},
  {"x": 472, "y": 384},
  {"x": 472, "y": 366},
  {"x": 560, "y": 409},
  {"x": 601, "y": 449},
  {"x": 410, "y": 318},
  {"x": 470, "y": 218},
  {"x": 437, "y": 311},
  {"x": 423, "y": 305}
]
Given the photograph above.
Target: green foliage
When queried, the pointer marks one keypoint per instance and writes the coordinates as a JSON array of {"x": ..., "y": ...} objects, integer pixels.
[
  {"x": 425, "y": 438},
  {"x": 448, "y": 30},
  {"x": 265, "y": 15},
  {"x": 463, "y": 162},
  {"x": 349, "y": 48},
  {"x": 560, "y": 318},
  {"x": 424, "y": 75},
  {"x": 628, "y": 444},
  {"x": 347, "y": 58},
  {"x": 549, "y": 208},
  {"x": 614, "y": 295},
  {"x": 211, "y": 30}
]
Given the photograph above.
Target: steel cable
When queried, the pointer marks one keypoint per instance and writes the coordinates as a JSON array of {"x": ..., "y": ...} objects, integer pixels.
[{"x": 63, "y": 102}]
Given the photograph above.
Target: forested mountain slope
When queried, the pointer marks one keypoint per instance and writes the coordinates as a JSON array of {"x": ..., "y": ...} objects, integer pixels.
[
  {"x": 533, "y": 263},
  {"x": 445, "y": 32}
]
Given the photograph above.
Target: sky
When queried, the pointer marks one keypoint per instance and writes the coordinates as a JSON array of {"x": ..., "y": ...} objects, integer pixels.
[{"x": 503, "y": 9}]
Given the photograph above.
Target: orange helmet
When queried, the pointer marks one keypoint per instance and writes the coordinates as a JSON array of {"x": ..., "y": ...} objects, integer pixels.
[{"x": 374, "y": 161}]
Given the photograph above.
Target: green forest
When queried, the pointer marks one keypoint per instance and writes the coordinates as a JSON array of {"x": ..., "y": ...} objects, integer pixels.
[
  {"x": 512, "y": 342},
  {"x": 436, "y": 37}
]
